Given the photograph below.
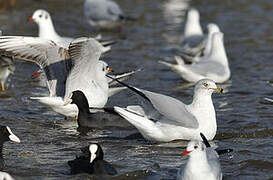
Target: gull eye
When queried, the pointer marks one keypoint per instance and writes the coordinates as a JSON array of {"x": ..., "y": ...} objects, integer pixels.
[
  {"x": 195, "y": 147},
  {"x": 205, "y": 84},
  {"x": 40, "y": 16}
]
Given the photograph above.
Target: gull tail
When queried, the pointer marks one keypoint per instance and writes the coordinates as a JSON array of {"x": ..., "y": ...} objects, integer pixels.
[
  {"x": 178, "y": 60},
  {"x": 137, "y": 117}
]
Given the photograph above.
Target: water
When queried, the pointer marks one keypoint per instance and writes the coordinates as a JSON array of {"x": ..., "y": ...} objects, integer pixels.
[{"x": 244, "y": 118}]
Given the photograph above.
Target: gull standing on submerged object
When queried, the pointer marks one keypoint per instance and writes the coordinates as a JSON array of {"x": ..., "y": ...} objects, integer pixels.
[
  {"x": 77, "y": 68},
  {"x": 177, "y": 120},
  {"x": 215, "y": 66}
]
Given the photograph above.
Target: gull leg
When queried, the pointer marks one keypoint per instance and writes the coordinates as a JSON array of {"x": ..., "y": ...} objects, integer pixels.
[{"x": 2, "y": 86}]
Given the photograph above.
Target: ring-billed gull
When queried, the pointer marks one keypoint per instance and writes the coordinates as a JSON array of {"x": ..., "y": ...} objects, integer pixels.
[
  {"x": 104, "y": 13},
  {"x": 177, "y": 120},
  {"x": 77, "y": 68},
  {"x": 203, "y": 163},
  {"x": 215, "y": 66}
]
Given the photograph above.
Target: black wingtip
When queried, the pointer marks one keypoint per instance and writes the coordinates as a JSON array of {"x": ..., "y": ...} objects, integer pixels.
[
  {"x": 131, "y": 88},
  {"x": 223, "y": 151},
  {"x": 206, "y": 142}
]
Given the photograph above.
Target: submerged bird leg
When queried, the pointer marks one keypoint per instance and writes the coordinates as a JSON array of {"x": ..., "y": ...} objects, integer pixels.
[{"x": 2, "y": 86}]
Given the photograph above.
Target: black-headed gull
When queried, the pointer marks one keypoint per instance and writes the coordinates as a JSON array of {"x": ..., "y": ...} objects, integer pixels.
[
  {"x": 215, "y": 66},
  {"x": 77, "y": 68},
  {"x": 176, "y": 120},
  {"x": 7, "y": 67},
  {"x": 103, "y": 13},
  {"x": 203, "y": 163},
  {"x": 47, "y": 31},
  {"x": 91, "y": 161}
]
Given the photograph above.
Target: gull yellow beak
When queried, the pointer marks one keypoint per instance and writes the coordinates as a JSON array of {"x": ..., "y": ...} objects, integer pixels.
[
  {"x": 219, "y": 90},
  {"x": 110, "y": 70}
]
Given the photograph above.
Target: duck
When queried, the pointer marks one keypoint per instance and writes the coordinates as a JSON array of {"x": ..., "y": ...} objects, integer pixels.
[
  {"x": 6, "y": 135},
  {"x": 85, "y": 118},
  {"x": 91, "y": 161}
]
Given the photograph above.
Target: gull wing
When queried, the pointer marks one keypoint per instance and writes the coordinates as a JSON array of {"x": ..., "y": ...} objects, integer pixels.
[
  {"x": 54, "y": 60},
  {"x": 207, "y": 67},
  {"x": 171, "y": 108},
  {"x": 85, "y": 53},
  {"x": 174, "y": 110}
]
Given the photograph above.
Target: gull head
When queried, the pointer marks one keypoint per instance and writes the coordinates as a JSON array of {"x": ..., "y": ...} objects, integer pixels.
[
  {"x": 207, "y": 86},
  {"x": 40, "y": 16},
  {"x": 95, "y": 152},
  {"x": 193, "y": 14},
  {"x": 103, "y": 67},
  {"x": 193, "y": 148},
  {"x": 212, "y": 28}
]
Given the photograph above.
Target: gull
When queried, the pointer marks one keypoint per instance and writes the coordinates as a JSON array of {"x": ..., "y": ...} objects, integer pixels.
[
  {"x": 177, "y": 120},
  {"x": 47, "y": 31},
  {"x": 212, "y": 28},
  {"x": 42, "y": 80},
  {"x": 214, "y": 66},
  {"x": 7, "y": 67},
  {"x": 203, "y": 162},
  {"x": 193, "y": 40},
  {"x": 104, "y": 13},
  {"x": 77, "y": 68}
]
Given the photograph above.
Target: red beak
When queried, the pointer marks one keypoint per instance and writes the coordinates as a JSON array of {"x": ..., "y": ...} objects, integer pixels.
[
  {"x": 185, "y": 153},
  {"x": 36, "y": 75},
  {"x": 30, "y": 19}
]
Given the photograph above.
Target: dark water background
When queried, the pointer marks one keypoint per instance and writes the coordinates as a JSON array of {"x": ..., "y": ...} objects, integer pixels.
[{"x": 244, "y": 118}]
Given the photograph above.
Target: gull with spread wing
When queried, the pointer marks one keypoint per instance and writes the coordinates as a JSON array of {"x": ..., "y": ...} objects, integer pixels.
[{"x": 77, "y": 68}]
